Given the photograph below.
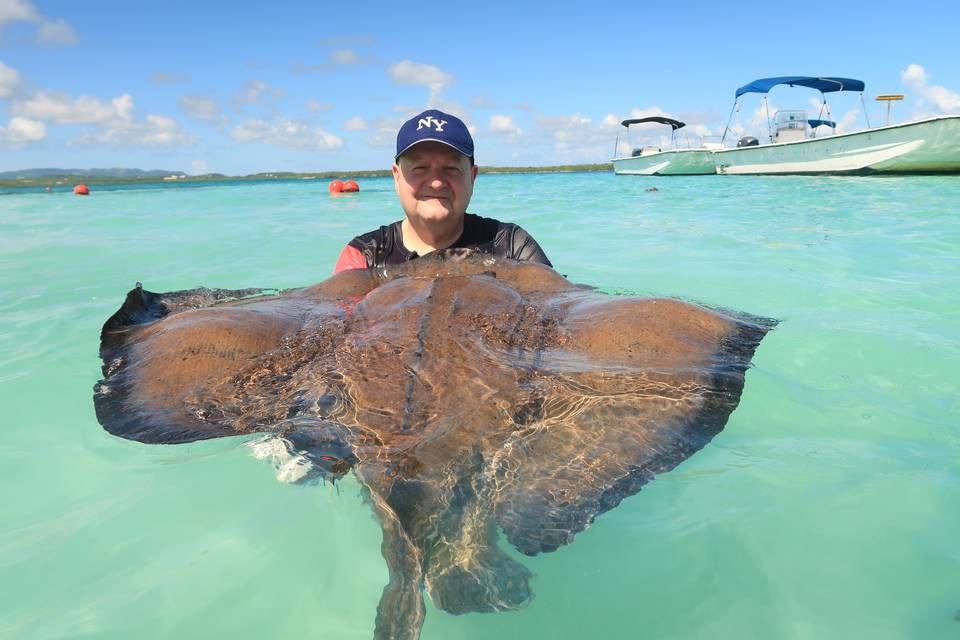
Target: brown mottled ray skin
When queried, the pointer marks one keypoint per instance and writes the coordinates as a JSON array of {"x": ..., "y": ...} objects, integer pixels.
[{"x": 469, "y": 394}]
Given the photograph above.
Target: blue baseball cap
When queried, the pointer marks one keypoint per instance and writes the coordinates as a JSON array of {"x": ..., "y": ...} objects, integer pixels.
[{"x": 435, "y": 126}]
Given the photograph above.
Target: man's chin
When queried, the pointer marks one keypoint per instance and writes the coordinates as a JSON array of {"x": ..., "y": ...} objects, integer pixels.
[{"x": 435, "y": 210}]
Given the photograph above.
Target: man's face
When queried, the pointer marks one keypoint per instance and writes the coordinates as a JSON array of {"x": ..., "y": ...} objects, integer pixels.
[{"x": 434, "y": 182}]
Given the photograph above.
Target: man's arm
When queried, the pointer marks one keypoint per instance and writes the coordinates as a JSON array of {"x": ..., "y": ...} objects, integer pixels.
[
  {"x": 526, "y": 248},
  {"x": 350, "y": 258}
]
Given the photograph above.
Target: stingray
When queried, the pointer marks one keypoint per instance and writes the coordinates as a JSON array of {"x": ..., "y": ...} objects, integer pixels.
[{"x": 471, "y": 396}]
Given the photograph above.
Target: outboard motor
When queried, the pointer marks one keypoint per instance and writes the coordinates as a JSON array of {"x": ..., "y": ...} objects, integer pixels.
[{"x": 747, "y": 141}]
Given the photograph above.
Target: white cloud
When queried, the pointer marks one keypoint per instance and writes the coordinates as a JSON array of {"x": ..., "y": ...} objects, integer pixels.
[
  {"x": 482, "y": 102},
  {"x": 384, "y": 131},
  {"x": 9, "y": 80},
  {"x": 700, "y": 129},
  {"x": 849, "y": 121},
  {"x": 168, "y": 78},
  {"x": 201, "y": 109},
  {"x": 161, "y": 130},
  {"x": 20, "y": 131},
  {"x": 344, "y": 56},
  {"x": 113, "y": 120},
  {"x": 648, "y": 133},
  {"x": 60, "y": 108},
  {"x": 56, "y": 32},
  {"x": 661, "y": 135},
  {"x": 846, "y": 123},
  {"x": 505, "y": 126},
  {"x": 408, "y": 72},
  {"x": 254, "y": 90},
  {"x": 757, "y": 124},
  {"x": 123, "y": 105},
  {"x": 413, "y": 73},
  {"x": 337, "y": 57},
  {"x": 154, "y": 130},
  {"x": 933, "y": 99},
  {"x": 49, "y": 31},
  {"x": 343, "y": 41},
  {"x": 314, "y": 106},
  {"x": 18, "y": 11},
  {"x": 199, "y": 167},
  {"x": 287, "y": 133},
  {"x": 646, "y": 112},
  {"x": 648, "y": 128},
  {"x": 914, "y": 75},
  {"x": 577, "y": 139},
  {"x": 356, "y": 123}
]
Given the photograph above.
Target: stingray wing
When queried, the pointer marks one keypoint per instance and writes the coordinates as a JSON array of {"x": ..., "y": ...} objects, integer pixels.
[
  {"x": 204, "y": 363},
  {"x": 639, "y": 387}
]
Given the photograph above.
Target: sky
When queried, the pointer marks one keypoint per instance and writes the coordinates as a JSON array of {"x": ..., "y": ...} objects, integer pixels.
[{"x": 239, "y": 88}]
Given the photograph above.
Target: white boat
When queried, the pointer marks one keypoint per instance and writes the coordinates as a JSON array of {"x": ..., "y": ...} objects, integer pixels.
[
  {"x": 654, "y": 161},
  {"x": 931, "y": 145}
]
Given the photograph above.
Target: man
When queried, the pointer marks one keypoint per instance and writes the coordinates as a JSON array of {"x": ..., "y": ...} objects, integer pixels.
[{"x": 433, "y": 173}]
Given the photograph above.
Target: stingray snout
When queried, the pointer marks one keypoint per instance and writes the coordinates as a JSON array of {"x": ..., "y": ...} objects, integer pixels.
[{"x": 326, "y": 445}]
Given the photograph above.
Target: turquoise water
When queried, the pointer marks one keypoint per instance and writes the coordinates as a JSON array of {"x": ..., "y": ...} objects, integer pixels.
[{"x": 829, "y": 507}]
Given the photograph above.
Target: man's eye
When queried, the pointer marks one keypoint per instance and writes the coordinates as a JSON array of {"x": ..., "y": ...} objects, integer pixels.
[{"x": 454, "y": 170}]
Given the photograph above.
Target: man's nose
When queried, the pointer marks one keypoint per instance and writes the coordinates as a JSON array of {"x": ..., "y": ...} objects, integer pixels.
[{"x": 436, "y": 179}]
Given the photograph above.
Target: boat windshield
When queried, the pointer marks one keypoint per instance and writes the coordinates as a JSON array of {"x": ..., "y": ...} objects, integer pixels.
[{"x": 791, "y": 119}]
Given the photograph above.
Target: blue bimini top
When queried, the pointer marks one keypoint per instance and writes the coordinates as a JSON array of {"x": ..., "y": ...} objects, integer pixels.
[{"x": 824, "y": 85}]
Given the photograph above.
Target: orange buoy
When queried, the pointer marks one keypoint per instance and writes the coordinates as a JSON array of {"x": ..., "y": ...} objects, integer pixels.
[
  {"x": 81, "y": 190},
  {"x": 336, "y": 186},
  {"x": 350, "y": 187}
]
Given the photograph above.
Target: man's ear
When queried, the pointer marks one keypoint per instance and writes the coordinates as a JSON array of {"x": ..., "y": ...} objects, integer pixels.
[
  {"x": 396, "y": 178},
  {"x": 474, "y": 170}
]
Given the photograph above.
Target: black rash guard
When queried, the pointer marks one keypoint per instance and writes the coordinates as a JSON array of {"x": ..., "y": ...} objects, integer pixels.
[{"x": 384, "y": 246}]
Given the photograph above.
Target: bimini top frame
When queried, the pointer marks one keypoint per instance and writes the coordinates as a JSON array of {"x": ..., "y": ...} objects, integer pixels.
[{"x": 823, "y": 84}]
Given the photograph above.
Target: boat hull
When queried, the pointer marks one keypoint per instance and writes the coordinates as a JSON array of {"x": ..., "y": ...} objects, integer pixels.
[
  {"x": 924, "y": 146},
  {"x": 674, "y": 162}
]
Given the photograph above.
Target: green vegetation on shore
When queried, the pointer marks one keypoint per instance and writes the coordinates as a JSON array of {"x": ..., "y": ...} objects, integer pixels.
[{"x": 61, "y": 181}]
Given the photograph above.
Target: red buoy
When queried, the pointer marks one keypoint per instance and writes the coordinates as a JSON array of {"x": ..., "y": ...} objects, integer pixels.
[
  {"x": 336, "y": 186},
  {"x": 350, "y": 187},
  {"x": 81, "y": 190}
]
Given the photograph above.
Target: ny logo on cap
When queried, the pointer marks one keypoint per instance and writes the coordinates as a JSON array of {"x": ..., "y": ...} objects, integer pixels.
[{"x": 430, "y": 121}]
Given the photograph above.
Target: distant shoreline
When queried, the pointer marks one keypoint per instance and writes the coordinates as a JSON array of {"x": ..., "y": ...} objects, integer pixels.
[{"x": 70, "y": 180}]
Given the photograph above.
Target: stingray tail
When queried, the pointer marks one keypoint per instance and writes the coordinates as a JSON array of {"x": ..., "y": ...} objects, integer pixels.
[{"x": 401, "y": 609}]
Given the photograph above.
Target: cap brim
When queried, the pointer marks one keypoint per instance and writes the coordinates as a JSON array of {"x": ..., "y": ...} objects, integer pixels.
[{"x": 449, "y": 144}]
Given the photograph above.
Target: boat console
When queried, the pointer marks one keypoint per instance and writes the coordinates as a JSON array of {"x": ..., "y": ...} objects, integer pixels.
[
  {"x": 790, "y": 125},
  {"x": 645, "y": 151}
]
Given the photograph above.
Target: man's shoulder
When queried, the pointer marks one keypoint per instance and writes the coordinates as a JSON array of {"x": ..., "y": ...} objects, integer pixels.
[
  {"x": 505, "y": 239},
  {"x": 479, "y": 225},
  {"x": 377, "y": 236},
  {"x": 472, "y": 218}
]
